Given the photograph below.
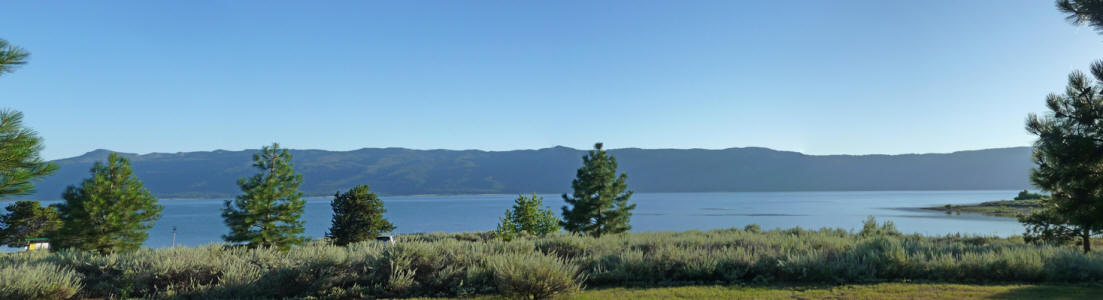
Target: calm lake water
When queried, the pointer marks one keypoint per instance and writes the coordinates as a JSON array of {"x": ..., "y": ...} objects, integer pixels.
[{"x": 199, "y": 221}]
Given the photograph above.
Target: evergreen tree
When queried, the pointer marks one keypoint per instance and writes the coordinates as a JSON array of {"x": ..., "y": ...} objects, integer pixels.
[
  {"x": 526, "y": 217},
  {"x": 357, "y": 216},
  {"x": 26, "y": 219},
  {"x": 108, "y": 212},
  {"x": 599, "y": 204},
  {"x": 1049, "y": 226},
  {"x": 1081, "y": 12},
  {"x": 11, "y": 57},
  {"x": 1069, "y": 149},
  {"x": 269, "y": 212},
  {"x": 19, "y": 159},
  {"x": 1069, "y": 153},
  {"x": 19, "y": 146}
]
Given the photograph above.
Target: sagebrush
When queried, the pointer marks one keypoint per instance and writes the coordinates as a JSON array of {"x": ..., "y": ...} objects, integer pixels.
[{"x": 464, "y": 264}]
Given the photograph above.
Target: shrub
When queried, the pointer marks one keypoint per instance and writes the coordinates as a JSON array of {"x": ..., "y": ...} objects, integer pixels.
[
  {"x": 38, "y": 281},
  {"x": 526, "y": 218},
  {"x": 471, "y": 264},
  {"x": 534, "y": 275},
  {"x": 870, "y": 228}
]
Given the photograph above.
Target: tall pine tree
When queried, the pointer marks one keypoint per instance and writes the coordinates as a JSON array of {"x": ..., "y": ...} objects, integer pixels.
[
  {"x": 269, "y": 212},
  {"x": 1069, "y": 154},
  {"x": 1069, "y": 149},
  {"x": 357, "y": 217},
  {"x": 599, "y": 204},
  {"x": 20, "y": 163},
  {"x": 109, "y": 212},
  {"x": 19, "y": 146}
]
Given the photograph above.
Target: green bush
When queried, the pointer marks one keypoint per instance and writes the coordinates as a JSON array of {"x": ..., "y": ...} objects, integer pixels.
[
  {"x": 469, "y": 264},
  {"x": 534, "y": 275},
  {"x": 870, "y": 228},
  {"x": 38, "y": 281}
]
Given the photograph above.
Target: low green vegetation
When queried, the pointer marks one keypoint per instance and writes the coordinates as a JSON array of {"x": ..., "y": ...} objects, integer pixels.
[
  {"x": 526, "y": 217},
  {"x": 38, "y": 281},
  {"x": 467, "y": 264},
  {"x": 856, "y": 291},
  {"x": 1002, "y": 208},
  {"x": 1027, "y": 195}
]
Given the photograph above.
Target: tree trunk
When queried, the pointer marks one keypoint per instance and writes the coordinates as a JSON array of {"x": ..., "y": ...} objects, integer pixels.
[{"x": 1086, "y": 236}]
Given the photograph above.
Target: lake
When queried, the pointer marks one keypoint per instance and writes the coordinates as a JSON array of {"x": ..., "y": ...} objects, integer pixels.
[{"x": 199, "y": 222}]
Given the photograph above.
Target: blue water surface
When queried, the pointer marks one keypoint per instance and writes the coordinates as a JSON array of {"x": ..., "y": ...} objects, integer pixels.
[{"x": 198, "y": 221}]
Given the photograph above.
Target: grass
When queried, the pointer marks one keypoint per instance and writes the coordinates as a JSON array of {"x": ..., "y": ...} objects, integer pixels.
[
  {"x": 861, "y": 291},
  {"x": 825, "y": 262},
  {"x": 854, "y": 291},
  {"x": 1002, "y": 208}
]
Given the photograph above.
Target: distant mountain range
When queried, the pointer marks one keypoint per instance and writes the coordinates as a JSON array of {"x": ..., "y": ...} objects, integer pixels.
[{"x": 398, "y": 171}]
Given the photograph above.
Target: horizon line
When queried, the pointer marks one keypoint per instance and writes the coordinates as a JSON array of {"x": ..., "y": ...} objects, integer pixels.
[{"x": 536, "y": 149}]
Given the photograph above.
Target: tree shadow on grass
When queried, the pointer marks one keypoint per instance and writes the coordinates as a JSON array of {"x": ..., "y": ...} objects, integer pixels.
[{"x": 1070, "y": 291}]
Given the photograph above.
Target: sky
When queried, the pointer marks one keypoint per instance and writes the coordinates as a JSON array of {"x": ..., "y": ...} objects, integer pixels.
[{"x": 818, "y": 77}]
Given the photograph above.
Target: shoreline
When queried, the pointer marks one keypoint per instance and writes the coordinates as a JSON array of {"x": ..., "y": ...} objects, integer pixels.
[
  {"x": 541, "y": 193},
  {"x": 1001, "y": 208}
]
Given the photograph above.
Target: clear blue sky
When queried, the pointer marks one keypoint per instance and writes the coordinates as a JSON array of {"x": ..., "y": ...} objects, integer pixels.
[{"x": 820, "y": 77}]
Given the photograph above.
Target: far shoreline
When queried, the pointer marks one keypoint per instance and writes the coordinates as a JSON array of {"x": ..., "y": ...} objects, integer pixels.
[{"x": 173, "y": 198}]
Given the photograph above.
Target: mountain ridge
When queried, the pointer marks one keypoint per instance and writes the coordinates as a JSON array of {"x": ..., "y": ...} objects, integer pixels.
[{"x": 404, "y": 171}]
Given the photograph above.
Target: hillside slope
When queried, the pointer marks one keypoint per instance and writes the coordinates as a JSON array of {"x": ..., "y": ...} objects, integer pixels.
[{"x": 550, "y": 170}]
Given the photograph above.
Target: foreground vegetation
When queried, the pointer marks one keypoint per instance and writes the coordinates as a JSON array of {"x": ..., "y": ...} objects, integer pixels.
[
  {"x": 451, "y": 265},
  {"x": 855, "y": 291}
]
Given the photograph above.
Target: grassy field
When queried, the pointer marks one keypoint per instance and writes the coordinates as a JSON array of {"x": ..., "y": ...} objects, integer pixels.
[
  {"x": 726, "y": 263},
  {"x": 854, "y": 291},
  {"x": 871, "y": 291},
  {"x": 1003, "y": 208}
]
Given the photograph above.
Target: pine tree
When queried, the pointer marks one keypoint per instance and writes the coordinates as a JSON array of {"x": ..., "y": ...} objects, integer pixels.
[
  {"x": 109, "y": 212},
  {"x": 1069, "y": 155},
  {"x": 1081, "y": 12},
  {"x": 1069, "y": 149},
  {"x": 269, "y": 212},
  {"x": 357, "y": 217},
  {"x": 19, "y": 146},
  {"x": 26, "y": 219},
  {"x": 599, "y": 204},
  {"x": 20, "y": 163},
  {"x": 526, "y": 217},
  {"x": 11, "y": 57}
]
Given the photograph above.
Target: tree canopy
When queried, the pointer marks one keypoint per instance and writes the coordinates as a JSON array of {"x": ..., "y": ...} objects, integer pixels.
[
  {"x": 527, "y": 217},
  {"x": 599, "y": 204},
  {"x": 269, "y": 211},
  {"x": 1083, "y": 12},
  {"x": 1069, "y": 149},
  {"x": 1069, "y": 155},
  {"x": 11, "y": 57},
  {"x": 20, "y": 163},
  {"x": 27, "y": 219},
  {"x": 357, "y": 216},
  {"x": 109, "y": 212}
]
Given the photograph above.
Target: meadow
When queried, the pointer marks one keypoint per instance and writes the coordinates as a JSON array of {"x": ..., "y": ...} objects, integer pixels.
[{"x": 477, "y": 264}]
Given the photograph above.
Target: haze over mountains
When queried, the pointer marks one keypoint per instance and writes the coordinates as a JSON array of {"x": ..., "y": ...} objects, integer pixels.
[{"x": 398, "y": 171}]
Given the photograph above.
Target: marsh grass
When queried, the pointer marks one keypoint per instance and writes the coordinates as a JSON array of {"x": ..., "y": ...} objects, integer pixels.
[{"x": 468, "y": 264}]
